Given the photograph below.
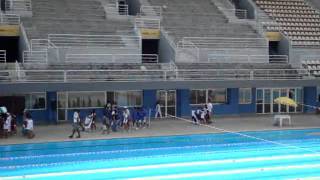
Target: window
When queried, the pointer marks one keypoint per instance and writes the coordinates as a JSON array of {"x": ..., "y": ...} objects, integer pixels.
[
  {"x": 126, "y": 98},
  {"x": 217, "y": 96},
  {"x": 35, "y": 101},
  {"x": 199, "y": 97},
  {"x": 86, "y": 99},
  {"x": 245, "y": 95}
]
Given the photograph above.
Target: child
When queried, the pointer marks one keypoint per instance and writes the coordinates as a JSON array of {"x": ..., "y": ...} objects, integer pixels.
[
  {"x": 94, "y": 117},
  {"x": 126, "y": 116},
  {"x": 158, "y": 110},
  {"x": 107, "y": 118},
  {"x": 88, "y": 122},
  {"x": 194, "y": 117},
  {"x": 28, "y": 127},
  {"x": 76, "y": 124},
  {"x": 114, "y": 115},
  {"x": 6, "y": 125},
  {"x": 142, "y": 117}
]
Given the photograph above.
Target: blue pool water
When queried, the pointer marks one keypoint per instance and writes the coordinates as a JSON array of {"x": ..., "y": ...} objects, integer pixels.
[{"x": 292, "y": 154}]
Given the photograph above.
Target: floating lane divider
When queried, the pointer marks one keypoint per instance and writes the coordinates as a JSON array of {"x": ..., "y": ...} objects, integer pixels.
[
  {"x": 186, "y": 164},
  {"x": 228, "y": 172},
  {"x": 247, "y": 136}
]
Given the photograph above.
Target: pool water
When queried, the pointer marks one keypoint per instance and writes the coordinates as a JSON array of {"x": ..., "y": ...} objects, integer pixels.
[{"x": 292, "y": 154}]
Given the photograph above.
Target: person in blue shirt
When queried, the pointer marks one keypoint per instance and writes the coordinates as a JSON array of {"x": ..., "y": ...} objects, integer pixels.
[
  {"x": 142, "y": 117},
  {"x": 107, "y": 118}
]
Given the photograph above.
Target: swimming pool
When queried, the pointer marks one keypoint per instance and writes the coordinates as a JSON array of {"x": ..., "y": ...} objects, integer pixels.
[{"x": 207, "y": 156}]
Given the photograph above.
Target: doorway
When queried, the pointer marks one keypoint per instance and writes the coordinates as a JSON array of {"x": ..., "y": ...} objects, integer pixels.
[
  {"x": 167, "y": 100},
  {"x": 266, "y": 96},
  {"x": 62, "y": 110}
]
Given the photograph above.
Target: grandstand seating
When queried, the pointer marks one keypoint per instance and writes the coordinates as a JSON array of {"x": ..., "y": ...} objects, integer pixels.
[
  {"x": 203, "y": 21},
  {"x": 312, "y": 64},
  {"x": 314, "y": 3},
  {"x": 295, "y": 18},
  {"x": 64, "y": 27},
  {"x": 71, "y": 17}
]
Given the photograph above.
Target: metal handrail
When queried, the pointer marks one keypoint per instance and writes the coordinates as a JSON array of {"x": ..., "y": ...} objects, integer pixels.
[
  {"x": 158, "y": 75},
  {"x": 154, "y": 11},
  {"x": 117, "y": 9},
  {"x": 80, "y": 40},
  {"x": 208, "y": 42},
  {"x": 3, "y": 56},
  {"x": 111, "y": 58},
  {"x": 9, "y": 19},
  {"x": 240, "y": 58},
  {"x": 18, "y": 5},
  {"x": 147, "y": 23},
  {"x": 35, "y": 56}
]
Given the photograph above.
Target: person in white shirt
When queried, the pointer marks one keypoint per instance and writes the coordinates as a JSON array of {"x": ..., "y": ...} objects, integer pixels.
[
  {"x": 210, "y": 109},
  {"x": 7, "y": 124},
  {"x": 158, "y": 110},
  {"x": 76, "y": 124},
  {"x": 28, "y": 127},
  {"x": 126, "y": 115},
  {"x": 194, "y": 117}
]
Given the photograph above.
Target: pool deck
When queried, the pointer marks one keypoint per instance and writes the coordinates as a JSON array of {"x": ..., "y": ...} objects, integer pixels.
[{"x": 164, "y": 127}]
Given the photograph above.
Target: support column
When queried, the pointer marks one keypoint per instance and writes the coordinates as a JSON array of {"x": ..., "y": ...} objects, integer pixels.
[
  {"x": 149, "y": 99},
  {"x": 52, "y": 107},
  {"x": 309, "y": 98},
  {"x": 183, "y": 103}
]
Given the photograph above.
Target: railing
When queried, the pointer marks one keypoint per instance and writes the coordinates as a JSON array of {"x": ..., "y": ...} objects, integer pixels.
[
  {"x": 240, "y": 58},
  {"x": 158, "y": 75},
  {"x": 153, "y": 11},
  {"x": 150, "y": 58},
  {"x": 9, "y": 19},
  {"x": 188, "y": 47},
  {"x": 117, "y": 9},
  {"x": 18, "y": 5},
  {"x": 3, "y": 56},
  {"x": 110, "y": 41},
  {"x": 239, "y": 13},
  {"x": 39, "y": 44},
  {"x": 35, "y": 57},
  {"x": 111, "y": 58},
  {"x": 147, "y": 23},
  {"x": 224, "y": 42}
]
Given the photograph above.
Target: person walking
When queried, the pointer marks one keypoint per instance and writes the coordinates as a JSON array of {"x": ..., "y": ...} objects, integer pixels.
[
  {"x": 210, "y": 109},
  {"x": 76, "y": 124},
  {"x": 158, "y": 110}
]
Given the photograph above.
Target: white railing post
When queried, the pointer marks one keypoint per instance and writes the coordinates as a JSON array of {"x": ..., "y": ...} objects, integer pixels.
[
  {"x": 64, "y": 76},
  {"x": 251, "y": 75}
]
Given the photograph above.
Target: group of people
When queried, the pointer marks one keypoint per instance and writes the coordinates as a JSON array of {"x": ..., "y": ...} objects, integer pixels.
[
  {"x": 114, "y": 119},
  {"x": 8, "y": 123},
  {"x": 203, "y": 115}
]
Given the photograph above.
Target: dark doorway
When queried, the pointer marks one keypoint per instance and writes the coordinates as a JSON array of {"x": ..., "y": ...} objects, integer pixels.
[
  {"x": 14, "y": 104},
  {"x": 11, "y": 45},
  {"x": 274, "y": 48},
  {"x": 149, "y": 46}
]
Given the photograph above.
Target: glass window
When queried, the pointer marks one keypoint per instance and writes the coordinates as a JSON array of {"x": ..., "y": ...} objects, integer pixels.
[
  {"x": 35, "y": 101},
  {"x": 245, "y": 95},
  {"x": 62, "y": 100},
  {"x": 86, "y": 99},
  {"x": 198, "y": 97},
  {"x": 217, "y": 96},
  {"x": 128, "y": 98}
]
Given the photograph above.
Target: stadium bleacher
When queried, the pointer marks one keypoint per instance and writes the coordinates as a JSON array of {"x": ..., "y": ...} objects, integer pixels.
[
  {"x": 102, "y": 41},
  {"x": 297, "y": 19}
]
